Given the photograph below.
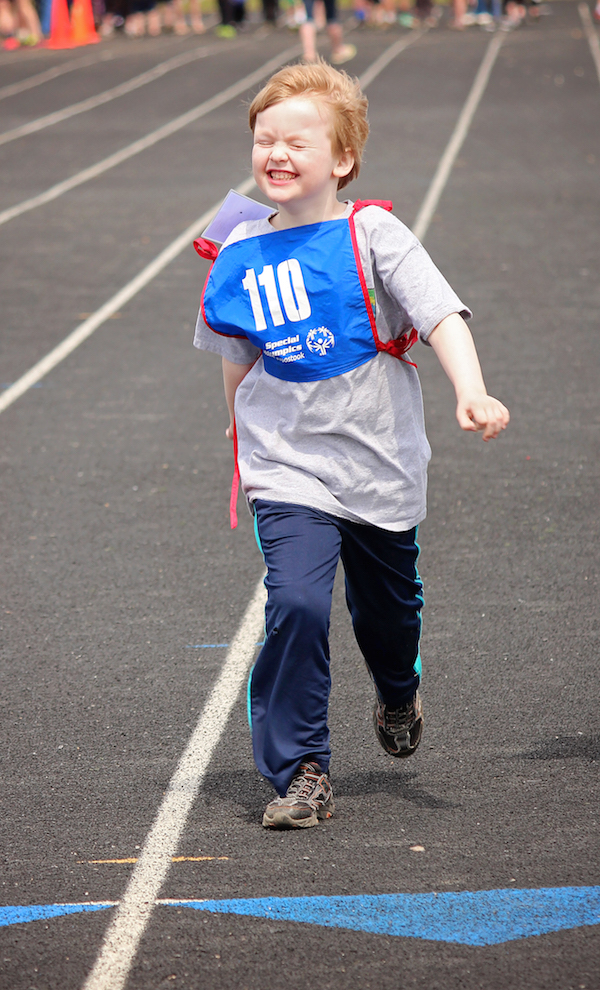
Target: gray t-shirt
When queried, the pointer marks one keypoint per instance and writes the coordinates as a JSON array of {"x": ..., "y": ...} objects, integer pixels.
[{"x": 353, "y": 445}]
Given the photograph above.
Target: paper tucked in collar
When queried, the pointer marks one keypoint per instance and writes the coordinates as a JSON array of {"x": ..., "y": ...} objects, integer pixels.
[{"x": 234, "y": 208}]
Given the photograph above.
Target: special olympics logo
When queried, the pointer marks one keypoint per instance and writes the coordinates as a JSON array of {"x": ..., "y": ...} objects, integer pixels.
[{"x": 320, "y": 340}]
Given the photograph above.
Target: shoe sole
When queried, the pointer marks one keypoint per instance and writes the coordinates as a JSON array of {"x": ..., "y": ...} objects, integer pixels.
[
  {"x": 282, "y": 819},
  {"x": 402, "y": 754}
]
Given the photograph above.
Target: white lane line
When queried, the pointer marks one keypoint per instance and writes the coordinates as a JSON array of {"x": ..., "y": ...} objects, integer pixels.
[
  {"x": 166, "y": 130},
  {"x": 387, "y": 56},
  {"x": 87, "y": 328},
  {"x": 459, "y": 134},
  {"x": 110, "y": 94},
  {"x": 48, "y": 74},
  {"x": 131, "y": 918},
  {"x": 591, "y": 35}
]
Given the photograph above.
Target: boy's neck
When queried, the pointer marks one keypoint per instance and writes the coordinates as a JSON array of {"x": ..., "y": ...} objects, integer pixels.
[{"x": 302, "y": 214}]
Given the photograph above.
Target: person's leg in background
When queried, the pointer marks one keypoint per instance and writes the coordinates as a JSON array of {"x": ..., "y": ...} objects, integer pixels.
[
  {"x": 271, "y": 11},
  {"x": 340, "y": 52},
  {"x": 226, "y": 29}
]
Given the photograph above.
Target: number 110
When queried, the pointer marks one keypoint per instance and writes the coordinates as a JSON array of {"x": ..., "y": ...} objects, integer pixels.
[{"x": 292, "y": 289}]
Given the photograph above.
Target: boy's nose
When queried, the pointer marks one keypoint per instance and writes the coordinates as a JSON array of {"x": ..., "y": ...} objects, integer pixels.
[{"x": 279, "y": 152}]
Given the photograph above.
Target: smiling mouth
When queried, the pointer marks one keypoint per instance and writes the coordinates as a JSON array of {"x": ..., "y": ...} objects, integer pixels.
[{"x": 278, "y": 176}]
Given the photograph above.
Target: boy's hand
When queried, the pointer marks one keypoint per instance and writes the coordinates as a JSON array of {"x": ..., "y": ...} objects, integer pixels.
[
  {"x": 482, "y": 413},
  {"x": 229, "y": 432}
]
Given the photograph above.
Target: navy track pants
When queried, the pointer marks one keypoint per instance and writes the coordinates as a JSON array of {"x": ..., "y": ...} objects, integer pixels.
[{"x": 290, "y": 682}]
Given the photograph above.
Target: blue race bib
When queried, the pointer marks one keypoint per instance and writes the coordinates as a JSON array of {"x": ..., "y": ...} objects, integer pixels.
[{"x": 298, "y": 295}]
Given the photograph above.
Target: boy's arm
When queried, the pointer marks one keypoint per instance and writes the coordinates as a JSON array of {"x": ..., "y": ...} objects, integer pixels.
[
  {"x": 455, "y": 348},
  {"x": 233, "y": 374}
]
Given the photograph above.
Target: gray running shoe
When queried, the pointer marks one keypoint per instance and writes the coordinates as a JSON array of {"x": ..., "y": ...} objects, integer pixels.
[
  {"x": 309, "y": 798},
  {"x": 399, "y": 730}
]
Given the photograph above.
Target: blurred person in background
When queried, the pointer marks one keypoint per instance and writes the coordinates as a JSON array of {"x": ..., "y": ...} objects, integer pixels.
[
  {"x": 340, "y": 52},
  {"x": 115, "y": 13},
  {"x": 461, "y": 18},
  {"x": 233, "y": 14},
  {"x": 140, "y": 17},
  {"x": 488, "y": 13},
  {"x": 173, "y": 17},
  {"x": 19, "y": 23},
  {"x": 375, "y": 13},
  {"x": 270, "y": 11},
  {"x": 143, "y": 18}
]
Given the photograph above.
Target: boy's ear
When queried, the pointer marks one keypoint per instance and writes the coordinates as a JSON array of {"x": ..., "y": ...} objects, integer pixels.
[{"x": 345, "y": 164}]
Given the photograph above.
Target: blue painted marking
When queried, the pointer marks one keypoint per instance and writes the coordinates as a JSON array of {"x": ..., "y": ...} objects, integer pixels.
[
  {"x": 16, "y": 915},
  {"x": 485, "y": 917},
  {"x": 480, "y": 918}
]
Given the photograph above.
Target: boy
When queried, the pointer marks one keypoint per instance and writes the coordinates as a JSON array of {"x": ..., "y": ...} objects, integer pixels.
[{"x": 312, "y": 311}]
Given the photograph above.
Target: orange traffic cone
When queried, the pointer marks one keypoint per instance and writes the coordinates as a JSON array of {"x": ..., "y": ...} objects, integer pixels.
[
  {"x": 60, "y": 26},
  {"x": 82, "y": 22}
]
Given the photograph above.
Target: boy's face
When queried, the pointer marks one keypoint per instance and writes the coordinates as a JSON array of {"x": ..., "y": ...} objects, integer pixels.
[{"x": 292, "y": 159}]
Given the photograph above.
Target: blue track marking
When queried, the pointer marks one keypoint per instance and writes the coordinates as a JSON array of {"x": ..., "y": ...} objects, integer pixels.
[
  {"x": 480, "y": 918},
  {"x": 485, "y": 917},
  {"x": 18, "y": 914}
]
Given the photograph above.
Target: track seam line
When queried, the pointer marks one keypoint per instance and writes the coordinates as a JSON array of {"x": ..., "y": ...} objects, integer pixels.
[
  {"x": 142, "y": 144},
  {"x": 591, "y": 35},
  {"x": 129, "y": 86}
]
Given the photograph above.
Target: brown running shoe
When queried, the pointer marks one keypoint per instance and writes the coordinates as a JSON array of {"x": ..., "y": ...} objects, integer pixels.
[
  {"x": 399, "y": 730},
  {"x": 308, "y": 800}
]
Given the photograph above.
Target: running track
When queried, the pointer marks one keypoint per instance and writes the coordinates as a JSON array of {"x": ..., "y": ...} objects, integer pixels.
[{"x": 131, "y": 613}]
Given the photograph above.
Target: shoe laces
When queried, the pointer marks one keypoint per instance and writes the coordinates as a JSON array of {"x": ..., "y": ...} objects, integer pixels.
[
  {"x": 304, "y": 782},
  {"x": 399, "y": 719}
]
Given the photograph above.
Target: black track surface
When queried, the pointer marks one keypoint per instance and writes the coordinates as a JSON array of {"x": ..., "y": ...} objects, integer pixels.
[{"x": 117, "y": 556}]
